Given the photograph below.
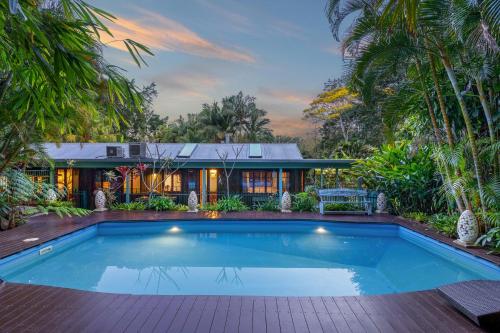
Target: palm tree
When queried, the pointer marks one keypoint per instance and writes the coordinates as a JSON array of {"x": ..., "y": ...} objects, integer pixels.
[
  {"x": 256, "y": 129},
  {"x": 428, "y": 24}
]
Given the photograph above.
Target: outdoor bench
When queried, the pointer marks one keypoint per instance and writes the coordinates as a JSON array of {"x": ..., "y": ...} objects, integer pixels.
[{"x": 344, "y": 196}]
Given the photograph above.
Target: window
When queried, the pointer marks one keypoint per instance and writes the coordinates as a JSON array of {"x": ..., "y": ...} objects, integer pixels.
[
  {"x": 172, "y": 183},
  {"x": 67, "y": 181},
  {"x": 101, "y": 181},
  {"x": 135, "y": 186},
  {"x": 263, "y": 181}
]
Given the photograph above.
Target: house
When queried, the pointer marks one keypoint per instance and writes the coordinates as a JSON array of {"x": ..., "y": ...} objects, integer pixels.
[{"x": 255, "y": 170}]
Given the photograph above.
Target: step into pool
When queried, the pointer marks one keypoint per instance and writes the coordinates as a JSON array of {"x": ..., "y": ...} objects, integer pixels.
[{"x": 260, "y": 258}]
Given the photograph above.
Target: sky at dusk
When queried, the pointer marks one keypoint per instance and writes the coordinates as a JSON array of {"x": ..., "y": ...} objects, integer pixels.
[{"x": 279, "y": 51}]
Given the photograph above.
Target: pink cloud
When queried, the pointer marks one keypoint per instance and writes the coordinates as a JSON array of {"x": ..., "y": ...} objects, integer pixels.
[{"x": 163, "y": 34}]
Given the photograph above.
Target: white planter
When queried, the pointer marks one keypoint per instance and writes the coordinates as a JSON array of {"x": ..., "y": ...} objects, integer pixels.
[
  {"x": 193, "y": 202},
  {"x": 381, "y": 203},
  {"x": 286, "y": 203},
  {"x": 100, "y": 201},
  {"x": 467, "y": 229}
]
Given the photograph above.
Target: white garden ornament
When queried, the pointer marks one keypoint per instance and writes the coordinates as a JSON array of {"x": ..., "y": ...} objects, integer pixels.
[
  {"x": 381, "y": 203},
  {"x": 100, "y": 201},
  {"x": 193, "y": 202},
  {"x": 467, "y": 229},
  {"x": 51, "y": 195},
  {"x": 286, "y": 203}
]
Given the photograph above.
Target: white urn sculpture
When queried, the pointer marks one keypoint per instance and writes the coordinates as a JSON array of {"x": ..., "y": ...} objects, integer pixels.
[
  {"x": 286, "y": 203},
  {"x": 381, "y": 203},
  {"x": 51, "y": 195},
  {"x": 192, "y": 202},
  {"x": 467, "y": 229},
  {"x": 100, "y": 201}
]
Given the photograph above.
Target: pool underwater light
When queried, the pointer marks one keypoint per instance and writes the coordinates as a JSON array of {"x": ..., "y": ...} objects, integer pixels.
[{"x": 321, "y": 230}]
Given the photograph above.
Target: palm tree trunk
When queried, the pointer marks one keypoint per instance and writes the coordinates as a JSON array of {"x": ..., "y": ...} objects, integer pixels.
[
  {"x": 486, "y": 109},
  {"x": 447, "y": 178},
  {"x": 440, "y": 98},
  {"x": 468, "y": 123},
  {"x": 428, "y": 103}
]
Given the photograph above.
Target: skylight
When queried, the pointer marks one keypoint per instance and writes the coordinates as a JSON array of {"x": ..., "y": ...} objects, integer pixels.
[
  {"x": 255, "y": 150},
  {"x": 187, "y": 150}
]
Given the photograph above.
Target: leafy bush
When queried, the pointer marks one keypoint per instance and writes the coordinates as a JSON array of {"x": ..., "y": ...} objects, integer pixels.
[
  {"x": 304, "y": 202},
  {"x": 61, "y": 210},
  {"x": 406, "y": 174},
  {"x": 343, "y": 207},
  {"x": 417, "y": 216},
  {"x": 161, "y": 204},
  {"x": 137, "y": 205},
  {"x": 231, "y": 204},
  {"x": 181, "y": 208},
  {"x": 446, "y": 224},
  {"x": 491, "y": 239},
  {"x": 210, "y": 207},
  {"x": 270, "y": 205}
]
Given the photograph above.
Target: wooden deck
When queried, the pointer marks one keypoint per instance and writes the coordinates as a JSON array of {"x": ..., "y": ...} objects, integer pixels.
[
  {"x": 26, "y": 308},
  {"x": 47, "y": 309}
]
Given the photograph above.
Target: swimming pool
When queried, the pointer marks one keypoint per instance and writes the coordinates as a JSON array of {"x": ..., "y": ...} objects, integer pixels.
[{"x": 299, "y": 258}]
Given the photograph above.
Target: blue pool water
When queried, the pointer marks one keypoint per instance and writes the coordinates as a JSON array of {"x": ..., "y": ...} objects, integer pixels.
[{"x": 246, "y": 258}]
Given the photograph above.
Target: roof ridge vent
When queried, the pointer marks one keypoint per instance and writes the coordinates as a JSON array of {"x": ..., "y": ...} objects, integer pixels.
[
  {"x": 255, "y": 150},
  {"x": 187, "y": 150}
]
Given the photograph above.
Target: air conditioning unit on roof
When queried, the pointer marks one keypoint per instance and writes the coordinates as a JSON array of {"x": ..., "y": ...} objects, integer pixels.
[
  {"x": 114, "y": 151},
  {"x": 137, "y": 150}
]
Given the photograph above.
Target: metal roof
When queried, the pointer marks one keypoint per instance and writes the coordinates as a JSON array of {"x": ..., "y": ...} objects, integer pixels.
[
  {"x": 203, "y": 155},
  {"x": 201, "y": 151}
]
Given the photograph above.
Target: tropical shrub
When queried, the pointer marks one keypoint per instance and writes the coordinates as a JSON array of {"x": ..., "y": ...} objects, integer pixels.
[
  {"x": 231, "y": 204},
  {"x": 161, "y": 204},
  {"x": 21, "y": 197},
  {"x": 491, "y": 239},
  {"x": 136, "y": 205},
  {"x": 181, "y": 208},
  {"x": 62, "y": 210},
  {"x": 406, "y": 174},
  {"x": 446, "y": 224},
  {"x": 335, "y": 207},
  {"x": 417, "y": 216},
  {"x": 304, "y": 202},
  {"x": 272, "y": 204},
  {"x": 210, "y": 207}
]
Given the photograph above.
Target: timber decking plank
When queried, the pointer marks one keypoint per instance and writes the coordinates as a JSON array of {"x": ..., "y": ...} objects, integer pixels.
[
  {"x": 346, "y": 312},
  {"x": 179, "y": 320},
  {"x": 150, "y": 305},
  {"x": 312, "y": 319},
  {"x": 285, "y": 318},
  {"x": 207, "y": 315},
  {"x": 220, "y": 315},
  {"x": 362, "y": 316},
  {"x": 194, "y": 315},
  {"x": 155, "y": 316},
  {"x": 168, "y": 316},
  {"x": 246, "y": 320},
  {"x": 299, "y": 321},
  {"x": 335, "y": 314},
  {"x": 323, "y": 316},
  {"x": 272, "y": 318},
  {"x": 233, "y": 314},
  {"x": 378, "y": 317},
  {"x": 259, "y": 315}
]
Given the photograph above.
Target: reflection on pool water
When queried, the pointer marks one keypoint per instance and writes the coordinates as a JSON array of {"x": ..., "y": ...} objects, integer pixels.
[{"x": 246, "y": 258}]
